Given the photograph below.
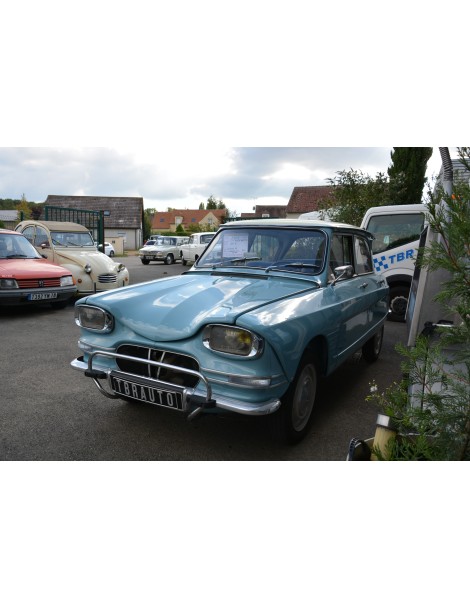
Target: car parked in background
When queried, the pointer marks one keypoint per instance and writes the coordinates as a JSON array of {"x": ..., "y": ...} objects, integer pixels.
[
  {"x": 269, "y": 308},
  {"x": 109, "y": 249},
  {"x": 28, "y": 278},
  {"x": 197, "y": 243},
  {"x": 163, "y": 249},
  {"x": 71, "y": 245}
]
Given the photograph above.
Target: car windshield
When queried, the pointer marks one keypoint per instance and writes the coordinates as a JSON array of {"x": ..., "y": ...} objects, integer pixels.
[
  {"x": 165, "y": 241},
  {"x": 16, "y": 246},
  {"x": 72, "y": 239},
  {"x": 267, "y": 248}
]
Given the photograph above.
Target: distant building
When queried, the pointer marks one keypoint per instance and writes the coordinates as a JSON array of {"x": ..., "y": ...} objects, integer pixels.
[
  {"x": 170, "y": 220},
  {"x": 9, "y": 218},
  {"x": 306, "y": 198},
  {"x": 266, "y": 211},
  {"x": 123, "y": 216}
]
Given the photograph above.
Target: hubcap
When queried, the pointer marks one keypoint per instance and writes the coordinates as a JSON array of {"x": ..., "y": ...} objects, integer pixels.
[
  {"x": 378, "y": 342},
  {"x": 398, "y": 305},
  {"x": 304, "y": 397}
]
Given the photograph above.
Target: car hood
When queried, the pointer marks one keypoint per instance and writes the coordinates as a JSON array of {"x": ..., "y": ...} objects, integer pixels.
[
  {"x": 157, "y": 248},
  {"x": 100, "y": 263},
  {"x": 177, "y": 307},
  {"x": 30, "y": 268}
]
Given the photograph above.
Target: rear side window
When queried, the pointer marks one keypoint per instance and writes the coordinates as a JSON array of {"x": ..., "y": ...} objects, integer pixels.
[
  {"x": 363, "y": 256},
  {"x": 394, "y": 230}
]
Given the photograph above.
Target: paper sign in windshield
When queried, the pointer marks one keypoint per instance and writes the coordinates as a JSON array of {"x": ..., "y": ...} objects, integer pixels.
[{"x": 235, "y": 246}]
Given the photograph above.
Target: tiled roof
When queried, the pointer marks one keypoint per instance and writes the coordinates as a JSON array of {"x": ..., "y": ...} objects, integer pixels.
[
  {"x": 163, "y": 220},
  {"x": 306, "y": 198},
  {"x": 8, "y": 214},
  {"x": 124, "y": 212}
]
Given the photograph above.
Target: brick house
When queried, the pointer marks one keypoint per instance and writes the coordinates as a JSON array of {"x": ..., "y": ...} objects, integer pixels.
[
  {"x": 170, "y": 220},
  {"x": 306, "y": 198},
  {"x": 123, "y": 216}
]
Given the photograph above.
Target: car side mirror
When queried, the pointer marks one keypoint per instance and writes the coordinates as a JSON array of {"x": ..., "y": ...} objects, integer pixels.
[{"x": 343, "y": 272}]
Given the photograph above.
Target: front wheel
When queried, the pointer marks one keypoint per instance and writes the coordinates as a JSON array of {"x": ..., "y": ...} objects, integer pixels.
[
  {"x": 292, "y": 421},
  {"x": 371, "y": 350},
  {"x": 169, "y": 259},
  {"x": 145, "y": 261}
]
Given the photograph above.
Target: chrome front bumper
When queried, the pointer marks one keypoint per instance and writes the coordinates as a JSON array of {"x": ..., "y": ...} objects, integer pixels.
[{"x": 194, "y": 400}]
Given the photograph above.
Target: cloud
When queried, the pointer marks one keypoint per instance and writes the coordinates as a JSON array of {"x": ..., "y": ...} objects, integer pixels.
[{"x": 183, "y": 176}]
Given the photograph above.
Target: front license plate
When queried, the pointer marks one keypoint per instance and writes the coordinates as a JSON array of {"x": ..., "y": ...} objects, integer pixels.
[
  {"x": 43, "y": 296},
  {"x": 145, "y": 393}
]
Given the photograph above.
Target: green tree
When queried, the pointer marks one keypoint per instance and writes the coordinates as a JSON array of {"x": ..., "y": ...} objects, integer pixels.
[
  {"x": 434, "y": 423},
  {"x": 354, "y": 192},
  {"x": 147, "y": 221},
  {"x": 407, "y": 174},
  {"x": 213, "y": 203},
  {"x": 23, "y": 208}
]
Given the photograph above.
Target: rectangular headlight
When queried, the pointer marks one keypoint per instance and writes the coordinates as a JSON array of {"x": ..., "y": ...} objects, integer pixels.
[
  {"x": 8, "y": 284},
  {"x": 93, "y": 318},
  {"x": 232, "y": 340},
  {"x": 65, "y": 281}
]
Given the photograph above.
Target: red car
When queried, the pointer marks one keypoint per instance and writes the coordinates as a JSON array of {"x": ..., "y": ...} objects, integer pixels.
[{"x": 28, "y": 278}]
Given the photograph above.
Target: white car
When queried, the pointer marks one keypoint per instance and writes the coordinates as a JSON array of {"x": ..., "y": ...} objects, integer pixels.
[
  {"x": 164, "y": 249},
  {"x": 71, "y": 245},
  {"x": 108, "y": 249},
  {"x": 197, "y": 243}
]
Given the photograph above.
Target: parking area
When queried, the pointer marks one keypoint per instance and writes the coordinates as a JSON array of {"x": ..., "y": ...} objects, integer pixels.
[{"x": 51, "y": 412}]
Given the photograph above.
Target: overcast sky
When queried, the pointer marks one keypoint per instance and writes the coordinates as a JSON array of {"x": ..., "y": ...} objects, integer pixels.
[{"x": 183, "y": 177}]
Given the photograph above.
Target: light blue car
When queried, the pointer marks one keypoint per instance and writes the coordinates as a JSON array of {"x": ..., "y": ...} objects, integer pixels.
[{"x": 269, "y": 308}]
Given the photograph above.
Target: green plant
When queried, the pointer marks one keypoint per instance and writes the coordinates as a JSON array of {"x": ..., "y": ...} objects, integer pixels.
[{"x": 431, "y": 405}]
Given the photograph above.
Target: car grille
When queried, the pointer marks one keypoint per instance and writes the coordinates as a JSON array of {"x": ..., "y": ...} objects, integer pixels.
[
  {"x": 28, "y": 284},
  {"x": 162, "y": 374},
  {"x": 107, "y": 278}
]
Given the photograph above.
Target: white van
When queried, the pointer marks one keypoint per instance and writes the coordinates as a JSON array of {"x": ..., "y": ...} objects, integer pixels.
[{"x": 396, "y": 229}]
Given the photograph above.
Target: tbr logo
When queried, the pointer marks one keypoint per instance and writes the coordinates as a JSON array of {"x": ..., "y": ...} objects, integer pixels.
[{"x": 383, "y": 263}]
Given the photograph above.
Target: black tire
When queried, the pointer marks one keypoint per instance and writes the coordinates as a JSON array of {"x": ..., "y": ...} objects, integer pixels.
[
  {"x": 169, "y": 259},
  {"x": 145, "y": 261},
  {"x": 292, "y": 421},
  {"x": 371, "y": 350},
  {"x": 398, "y": 301},
  {"x": 111, "y": 254}
]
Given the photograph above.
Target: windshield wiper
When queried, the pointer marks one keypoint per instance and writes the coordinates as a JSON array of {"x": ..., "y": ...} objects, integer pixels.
[
  {"x": 16, "y": 256},
  {"x": 233, "y": 261},
  {"x": 298, "y": 265},
  {"x": 245, "y": 259}
]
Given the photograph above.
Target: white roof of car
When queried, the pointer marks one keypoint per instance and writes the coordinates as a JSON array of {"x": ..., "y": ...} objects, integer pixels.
[{"x": 60, "y": 226}]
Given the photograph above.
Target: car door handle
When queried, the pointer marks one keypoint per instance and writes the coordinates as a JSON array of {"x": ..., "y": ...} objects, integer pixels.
[{"x": 363, "y": 285}]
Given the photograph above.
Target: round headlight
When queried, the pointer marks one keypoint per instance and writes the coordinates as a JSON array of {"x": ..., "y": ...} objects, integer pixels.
[
  {"x": 87, "y": 268},
  {"x": 93, "y": 318}
]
